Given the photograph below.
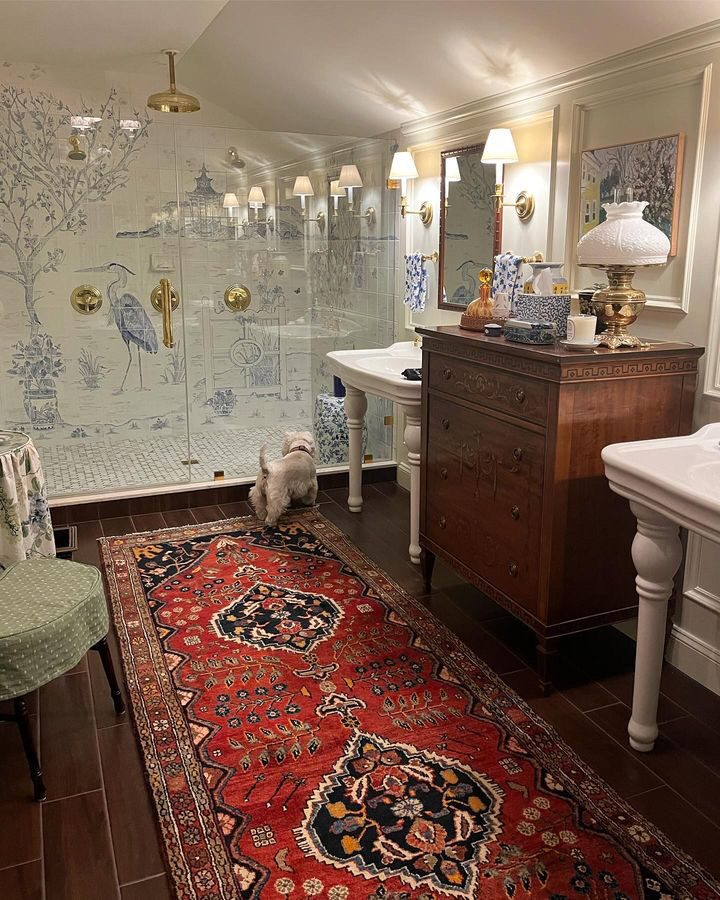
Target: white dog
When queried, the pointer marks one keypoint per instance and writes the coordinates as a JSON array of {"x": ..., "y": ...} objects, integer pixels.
[{"x": 290, "y": 478}]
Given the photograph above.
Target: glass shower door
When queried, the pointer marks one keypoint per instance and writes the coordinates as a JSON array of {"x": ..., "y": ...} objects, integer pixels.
[{"x": 121, "y": 393}]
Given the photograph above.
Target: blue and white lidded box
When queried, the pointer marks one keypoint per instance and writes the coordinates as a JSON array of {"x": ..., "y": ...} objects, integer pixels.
[{"x": 524, "y": 332}]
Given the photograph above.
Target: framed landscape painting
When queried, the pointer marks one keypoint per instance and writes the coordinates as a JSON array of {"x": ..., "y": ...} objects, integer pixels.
[{"x": 652, "y": 168}]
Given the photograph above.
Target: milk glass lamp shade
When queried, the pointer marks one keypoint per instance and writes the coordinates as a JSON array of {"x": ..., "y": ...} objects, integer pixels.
[
  {"x": 256, "y": 197},
  {"x": 452, "y": 172},
  {"x": 230, "y": 201},
  {"x": 350, "y": 177},
  {"x": 302, "y": 187},
  {"x": 624, "y": 239},
  {"x": 500, "y": 147}
]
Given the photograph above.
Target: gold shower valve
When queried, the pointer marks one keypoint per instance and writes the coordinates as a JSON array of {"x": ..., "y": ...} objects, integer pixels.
[
  {"x": 237, "y": 297},
  {"x": 86, "y": 299}
]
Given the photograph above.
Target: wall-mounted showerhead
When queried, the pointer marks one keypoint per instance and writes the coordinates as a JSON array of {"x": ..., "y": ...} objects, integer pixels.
[
  {"x": 234, "y": 158},
  {"x": 76, "y": 150},
  {"x": 173, "y": 100}
]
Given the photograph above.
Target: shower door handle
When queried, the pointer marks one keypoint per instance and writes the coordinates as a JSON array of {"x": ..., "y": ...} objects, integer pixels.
[{"x": 165, "y": 299}]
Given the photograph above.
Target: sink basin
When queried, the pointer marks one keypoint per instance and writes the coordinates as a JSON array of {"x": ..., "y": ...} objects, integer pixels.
[
  {"x": 679, "y": 475},
  {"x": 379, "y": 371}
]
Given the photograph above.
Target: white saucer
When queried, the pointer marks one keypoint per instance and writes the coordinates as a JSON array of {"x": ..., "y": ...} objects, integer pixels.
[{"x": 574, "y": 345}]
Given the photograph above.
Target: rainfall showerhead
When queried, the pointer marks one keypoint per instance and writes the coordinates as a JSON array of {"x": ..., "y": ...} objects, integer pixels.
[{"x": 173, "y": 100}]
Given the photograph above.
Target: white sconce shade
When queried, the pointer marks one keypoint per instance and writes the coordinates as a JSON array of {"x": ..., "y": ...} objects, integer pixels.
[
  {"x": 349, "y": 177},
  {"x": 256, "y": 197},
  {"x": 403, "y": 166},
  {"x": 500, "y": 147},
  {"x": 302, "y": 187},
  {"x": 336, "y": 192},
  {"x": 230, "y": 201},
  {"x": 452, "y": 171}
]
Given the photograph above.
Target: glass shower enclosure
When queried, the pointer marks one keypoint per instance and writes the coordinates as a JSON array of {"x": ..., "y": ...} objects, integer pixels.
[{"x": 119, "y": 395}]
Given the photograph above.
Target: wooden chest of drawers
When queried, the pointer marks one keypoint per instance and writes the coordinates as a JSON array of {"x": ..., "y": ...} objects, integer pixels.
[{"x": 513, "y": 491}]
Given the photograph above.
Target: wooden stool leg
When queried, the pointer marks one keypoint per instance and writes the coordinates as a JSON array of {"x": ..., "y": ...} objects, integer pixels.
[
  {"x": 104, "y": 650},
  {"x": 21, "y": 716}
]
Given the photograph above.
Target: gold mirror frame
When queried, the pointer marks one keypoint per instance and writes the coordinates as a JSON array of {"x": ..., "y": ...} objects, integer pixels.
[{"x": 497, "y": 235}]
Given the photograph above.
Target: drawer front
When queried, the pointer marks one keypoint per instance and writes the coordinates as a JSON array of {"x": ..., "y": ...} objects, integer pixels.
[
  {"x": 483, "y": 501},
  {"x": 518, "y": 395}
]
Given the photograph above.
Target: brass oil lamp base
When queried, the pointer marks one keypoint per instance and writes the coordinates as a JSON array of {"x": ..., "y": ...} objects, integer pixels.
[{"x": 617, "y": 306}]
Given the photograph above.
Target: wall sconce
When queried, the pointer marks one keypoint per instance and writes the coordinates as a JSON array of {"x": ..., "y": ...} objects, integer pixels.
[
  {"x": 302, "y": 189},
  {"x": 452, "y": 173},
  {"x": 230, "y": 202},
  {"x": 256, "y": 199},
  {"x": 336, "y": 192},
  {"x": 500, "y": 149},
  {"x": 402, "y": 170},
  {"x": 350, "y": 179}
]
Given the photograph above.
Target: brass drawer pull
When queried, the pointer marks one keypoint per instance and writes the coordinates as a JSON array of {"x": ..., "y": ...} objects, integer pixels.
[
  {"x": 445, "y": 424},
  {"x": 447, "y": 373},
  {"x": 443, "y": 473},
  {"x": 520, "y": 395},
  {"x": 517, "y": 454},
  {"x": 442, "y": 522},
  {"x": 515, "y": 512},
  {"x": 513, "y": 570}
]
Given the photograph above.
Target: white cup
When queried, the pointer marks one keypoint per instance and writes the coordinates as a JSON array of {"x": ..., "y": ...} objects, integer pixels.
[{"x": 581, "y": 329}]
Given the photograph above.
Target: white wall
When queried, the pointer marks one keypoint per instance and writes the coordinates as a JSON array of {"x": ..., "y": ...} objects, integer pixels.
[{"x": 661, "y": 89}]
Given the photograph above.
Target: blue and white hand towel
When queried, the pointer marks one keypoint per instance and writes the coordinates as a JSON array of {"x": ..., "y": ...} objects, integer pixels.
[
  {"x": 416, "y": 282},
  {"x": 506, "y": 277}
]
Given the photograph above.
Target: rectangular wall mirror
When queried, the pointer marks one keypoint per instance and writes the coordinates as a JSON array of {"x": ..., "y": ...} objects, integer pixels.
[{"x": 470, "y": 225}]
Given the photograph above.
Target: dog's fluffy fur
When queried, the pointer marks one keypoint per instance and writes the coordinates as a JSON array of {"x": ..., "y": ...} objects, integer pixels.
[{"x": 283, "y": 480}]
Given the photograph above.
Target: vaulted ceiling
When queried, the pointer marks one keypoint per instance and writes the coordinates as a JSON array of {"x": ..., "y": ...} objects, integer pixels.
[{"x": 356, "y": 67}]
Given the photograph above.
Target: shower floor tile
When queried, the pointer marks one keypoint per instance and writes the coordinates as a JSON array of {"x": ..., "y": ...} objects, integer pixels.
[{"x": 103, "y": 464}]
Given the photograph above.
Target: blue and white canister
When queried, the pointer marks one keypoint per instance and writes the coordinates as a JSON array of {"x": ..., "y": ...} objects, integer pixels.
[{"x": 544, "y": 308}]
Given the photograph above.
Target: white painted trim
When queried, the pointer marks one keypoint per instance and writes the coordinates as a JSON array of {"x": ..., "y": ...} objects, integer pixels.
[
  {"x": 403, "y": 475},
  {"x": 711, "y": 386},
  {"x": 580, "y": 108},
  {"x": 695, "y": 657},
  {"x": 675, "y": 46},
  {"x": 693, "y": 591}
]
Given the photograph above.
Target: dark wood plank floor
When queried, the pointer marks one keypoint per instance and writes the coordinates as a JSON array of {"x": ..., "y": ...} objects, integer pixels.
[{"x": 96, "y": 836}]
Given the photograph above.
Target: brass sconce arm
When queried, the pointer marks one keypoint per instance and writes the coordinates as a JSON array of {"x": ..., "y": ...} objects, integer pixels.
[
  {"x": 524, "y": 204},
  {"x": 425, "y": 212}
]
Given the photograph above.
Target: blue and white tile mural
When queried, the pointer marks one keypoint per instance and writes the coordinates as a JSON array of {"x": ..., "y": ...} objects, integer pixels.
[{"x": 131, "y": 200}]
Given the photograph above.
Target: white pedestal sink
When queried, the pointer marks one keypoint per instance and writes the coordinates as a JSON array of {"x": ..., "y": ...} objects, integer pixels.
[
  {"x": 669, "y": 482},
  {"x": 379, "y": 372}
]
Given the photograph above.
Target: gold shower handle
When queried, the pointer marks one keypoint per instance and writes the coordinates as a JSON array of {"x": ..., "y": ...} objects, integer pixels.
[{"x": 165, "y": 299}]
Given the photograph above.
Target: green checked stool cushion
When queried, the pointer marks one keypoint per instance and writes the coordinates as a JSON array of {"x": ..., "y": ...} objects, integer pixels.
[{"x": 52, "y": 611}]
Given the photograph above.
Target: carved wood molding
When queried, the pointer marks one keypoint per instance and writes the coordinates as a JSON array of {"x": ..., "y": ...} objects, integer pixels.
[
  {"x": 628, "y": 368},
  {"x": 499, "y": 360},
  {"x": 602, "y": 367}
]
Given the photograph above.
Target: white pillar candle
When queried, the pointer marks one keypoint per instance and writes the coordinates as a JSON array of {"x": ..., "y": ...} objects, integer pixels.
[{"x": 581, "y": 329}]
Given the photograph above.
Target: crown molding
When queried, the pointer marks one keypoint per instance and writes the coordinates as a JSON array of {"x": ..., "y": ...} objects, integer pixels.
[{"x": 675, "y": 46}]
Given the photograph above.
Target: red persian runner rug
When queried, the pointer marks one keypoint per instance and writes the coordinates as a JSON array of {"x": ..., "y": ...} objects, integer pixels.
[{"x": 309, "y": 730}]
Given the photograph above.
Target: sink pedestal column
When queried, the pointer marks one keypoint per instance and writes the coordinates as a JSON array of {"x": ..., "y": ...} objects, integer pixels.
[
  {"x": 657, "y": 553},
  {"x": 355, "y": 409},
  {"x": 411, "y": 436}
]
